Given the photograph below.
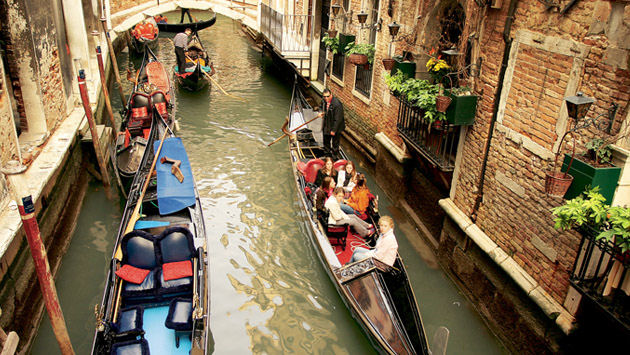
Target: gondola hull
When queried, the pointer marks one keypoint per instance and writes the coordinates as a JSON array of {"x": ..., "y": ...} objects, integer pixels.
[
  {"x": 379, "y": 297},
  {"x": 193, "y": 81},
  {"x": 180, "y": 27}
]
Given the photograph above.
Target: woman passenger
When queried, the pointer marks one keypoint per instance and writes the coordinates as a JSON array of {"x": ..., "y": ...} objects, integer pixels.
[
  {"x": 360, "y": 197},
  {"x": 347, "y": 177},
  {"x": 323, "y": 192},
  {"x": 326, "y": 170},
  {"x": 337, "y": 216}
]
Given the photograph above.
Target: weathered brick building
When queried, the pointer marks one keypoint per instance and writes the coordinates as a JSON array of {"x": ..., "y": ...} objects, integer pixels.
[{"x": 521, "y": 58}]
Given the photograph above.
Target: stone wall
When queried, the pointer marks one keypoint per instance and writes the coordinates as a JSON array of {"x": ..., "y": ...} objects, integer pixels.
[{"x": 120, "y": 5}]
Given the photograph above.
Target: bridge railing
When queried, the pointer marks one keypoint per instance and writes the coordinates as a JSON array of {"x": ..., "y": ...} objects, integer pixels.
[{"x": 287, "y": 33}]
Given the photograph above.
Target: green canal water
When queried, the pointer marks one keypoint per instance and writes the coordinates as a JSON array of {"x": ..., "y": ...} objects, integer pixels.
[{"x": 269, "y": 292}]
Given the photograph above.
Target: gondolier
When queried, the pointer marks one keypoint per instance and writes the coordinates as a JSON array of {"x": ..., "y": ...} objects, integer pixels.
[
  {"x": 333, "y": 125},
  {"x": 181, "y": 44}
]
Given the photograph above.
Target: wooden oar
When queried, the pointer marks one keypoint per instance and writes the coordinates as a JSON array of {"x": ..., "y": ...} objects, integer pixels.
[
  {"x": 298, "y": 127},
  {"x": 134, "y": 218},
  {"x": 217, "y": 84}
]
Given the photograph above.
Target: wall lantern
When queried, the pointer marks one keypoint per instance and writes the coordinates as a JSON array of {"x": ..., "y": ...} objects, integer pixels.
[
  {"x": 393, "y": 29},
  {"x": 578, "y": 105},
  {"x": 362, "y": 16},
  {"x": 335, "y": 9}
]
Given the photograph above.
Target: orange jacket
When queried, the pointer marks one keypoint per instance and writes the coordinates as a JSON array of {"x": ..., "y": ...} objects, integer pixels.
[{"x": 359, "y": 199}]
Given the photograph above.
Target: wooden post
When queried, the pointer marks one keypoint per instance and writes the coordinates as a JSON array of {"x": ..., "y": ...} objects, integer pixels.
[
  {"x": 112, "y": 57},
  {"x": 95, "y": 141},
  {"x": 108, "y": 103},
  {"x": 46, "y": 282}
]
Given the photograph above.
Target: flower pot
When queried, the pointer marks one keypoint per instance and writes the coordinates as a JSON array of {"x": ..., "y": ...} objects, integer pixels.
[
  {"x": 438, "y": 125},
  {"x": 407, "y": 68},
  {"x": 557, "y": 183},
  {"x": 442, "y": 103},
  {"x": 388, "y": 63},
  {"x": 358, "y": 59},
  {"x": 462, "y": 110},
  {"x": 344, "y": 40},
  {"x": 332, "y": 33},
  {"x": 586, "y": 174}
]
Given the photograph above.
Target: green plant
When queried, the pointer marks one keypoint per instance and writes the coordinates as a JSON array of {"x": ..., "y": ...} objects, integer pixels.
[
  {"x": 395, "y": 82},
  {"x": 332, "y": 43},
  {"x": 422, "y": 94},
  {"x": 361, "y": 48},
  {"x": 589, "y": 211},
  {"x": 598, "y": 151},
  {"x": 461, "y": 91}
]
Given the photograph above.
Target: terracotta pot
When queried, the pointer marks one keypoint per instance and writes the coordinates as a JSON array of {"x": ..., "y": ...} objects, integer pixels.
[
  {"x": 358, "y": 59},
  {"x": 332, "y": 33},
  {"x": 388, "y": 63},
  {"x": 442, "y": 103}
]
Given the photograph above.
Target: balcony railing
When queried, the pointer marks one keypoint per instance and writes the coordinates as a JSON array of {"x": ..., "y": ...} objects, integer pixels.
[
  {"x": 438, "y": 146},
  {"x": 363, "y": 82},
  {"x": 600, "y": 272},
  {"x": 287, "y": 33}
]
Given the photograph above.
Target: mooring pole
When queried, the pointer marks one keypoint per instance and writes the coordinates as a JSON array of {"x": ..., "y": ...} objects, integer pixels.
[
  {"x": 95, "y": 141},
  {"x": 46, "y": 283},
  {"x": 108, "y": 103},
  {"x": 112, "y": 57}
]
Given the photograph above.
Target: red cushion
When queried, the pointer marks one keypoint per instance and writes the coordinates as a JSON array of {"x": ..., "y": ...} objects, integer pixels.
[
  {"x": 301, "y": 166},
  {"x": 132, "y": 274},
  {"x": 336, "y": 229},
  {"x": 340, "y": 164},
  {"x": 177, "y": 270}
]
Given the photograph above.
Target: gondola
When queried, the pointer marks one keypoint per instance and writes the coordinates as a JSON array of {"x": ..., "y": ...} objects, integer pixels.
[
  {"x": 144, "y": 34},
  {"x": 156, "y": 297},
  {"x": 194, "y": 25},
  {"x": 379, "y": 296},
  {"x": 151, "y": 91},
  {"x": 199, "y": 69}
]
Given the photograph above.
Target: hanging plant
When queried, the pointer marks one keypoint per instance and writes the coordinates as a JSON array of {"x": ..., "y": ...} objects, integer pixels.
[
  {"x": 363, "y": 53},
  {"x": 332, "y": 43}
]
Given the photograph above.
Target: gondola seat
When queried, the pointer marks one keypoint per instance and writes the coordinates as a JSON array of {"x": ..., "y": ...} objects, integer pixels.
[
  {"x": 138, "y": 249},
  {"x": 179, "y": 317},
  {"x": 177, "y": 250},
  {"x": 340, "y": 164},
  {"x": 132, "y": 347},
  {"x": 312, "y": 167},
  {"x": 140, "y": 117},
  {"x": 129, "y": 325},
  {"x": 338, "y": 232},
  {"x": 159, "y": 101}
]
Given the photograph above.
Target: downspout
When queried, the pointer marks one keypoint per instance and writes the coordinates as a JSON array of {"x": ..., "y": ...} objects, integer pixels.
[{"x": 495, "y": 110}]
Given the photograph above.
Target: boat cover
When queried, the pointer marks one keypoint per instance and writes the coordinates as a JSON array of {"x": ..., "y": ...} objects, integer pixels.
[{"x": 173, "y": 196}]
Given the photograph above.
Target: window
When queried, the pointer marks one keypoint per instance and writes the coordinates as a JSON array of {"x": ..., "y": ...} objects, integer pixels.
[
  {"x": 363, "y": 78},
  {"x": 339, "y": 60}
]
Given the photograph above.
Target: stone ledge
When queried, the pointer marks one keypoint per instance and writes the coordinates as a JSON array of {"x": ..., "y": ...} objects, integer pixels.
[
  {"x": 391, "y": 147},
  {"x": 555, "y": 311}
]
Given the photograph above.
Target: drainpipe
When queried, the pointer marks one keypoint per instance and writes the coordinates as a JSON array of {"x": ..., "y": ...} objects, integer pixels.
[{"x": 495, "y": 110}]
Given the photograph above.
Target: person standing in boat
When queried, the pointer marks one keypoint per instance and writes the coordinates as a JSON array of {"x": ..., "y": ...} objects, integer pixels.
[
  {"x": 333, "y": 123},
  {"x": 337, "y": 216},
  {"x": 181, "y": 45},
  {"x": 386, "y": 246}
]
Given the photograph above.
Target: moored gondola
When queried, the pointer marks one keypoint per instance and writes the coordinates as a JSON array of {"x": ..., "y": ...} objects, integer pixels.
[
  {"x": 151, "y": 91},
  {"x": 198, "y": 69},
  {"x": 379, "y": 296},
  {"x": 193, "y": 24},
  {"x": 144, "y": 34},
  {"x": 156, "y": 297}
]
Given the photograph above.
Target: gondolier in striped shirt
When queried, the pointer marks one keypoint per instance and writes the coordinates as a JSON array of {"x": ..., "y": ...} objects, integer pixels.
[{"x": 181, "y": 45}]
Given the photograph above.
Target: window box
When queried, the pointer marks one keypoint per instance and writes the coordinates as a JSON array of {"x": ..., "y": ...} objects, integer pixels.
[
  {"x": 585, "y": 174},
  {"x": 344, "y": 40},
  {"x": 461, "y": 111},
  {"x": 406, "y": 67}
]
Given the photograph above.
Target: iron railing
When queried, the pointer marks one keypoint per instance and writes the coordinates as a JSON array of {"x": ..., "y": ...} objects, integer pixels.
[
  {"x": 436, "y": 144},
  {"x": 599, "y": 271},
  {"x": 338, "y": 62},
  {"x": 287, "y": 33}
]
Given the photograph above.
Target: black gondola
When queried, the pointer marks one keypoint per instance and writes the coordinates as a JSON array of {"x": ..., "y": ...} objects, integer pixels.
[
  {"x": 144, "y": 34},
  {"x": 156, "y": 297},
  {"x": 152, "y": 90},
  {"x": 379, "y": 296},
  {"x": 199, "y": 69},
  {"x": 181, "y": 26}
]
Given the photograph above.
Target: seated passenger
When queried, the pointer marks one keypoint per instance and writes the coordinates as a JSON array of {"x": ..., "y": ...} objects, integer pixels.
[
  {"x": 386, "y": 246},
  {"x": 360, "y": 197},
  {"x": 347, "y": 177},
  {"x": 323, "y": 192},
  {"x": 337, "y": 216},
  {"x": 326, "y": 170}
]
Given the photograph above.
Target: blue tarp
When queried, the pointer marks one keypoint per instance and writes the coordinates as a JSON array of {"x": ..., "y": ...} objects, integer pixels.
[
  {"x": 173, "y": 195},
  {"x": 150, "y": 224}
]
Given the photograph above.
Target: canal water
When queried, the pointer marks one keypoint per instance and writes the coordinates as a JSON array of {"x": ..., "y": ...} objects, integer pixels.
[{"x": 269, "y": 292}]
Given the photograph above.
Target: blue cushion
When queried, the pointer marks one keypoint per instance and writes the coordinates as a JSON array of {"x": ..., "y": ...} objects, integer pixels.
[
  {"x": 174, "y": 286},
  {"x": 147, "y": 287},
  {"x": 130, "y": 321},
  {"x": 138, "y": 250},
  {"x": 133, "y": 347},
  {"x": 179, "y": 314},
  {"x": 176, "y": 244}
]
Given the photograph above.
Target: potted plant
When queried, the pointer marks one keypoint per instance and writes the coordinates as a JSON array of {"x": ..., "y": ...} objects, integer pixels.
[
  {"x": 438, "y": 69},
  {"x": 388, "y": 63},
  {"x": 332, "y": 33},
  {"x": 422, "y": 94},
  {"x": 407, "y": 67},
  {"x": 463, "y": 106},
  {"x": 395, "y": 83},
  {"x": 332, "y": 43},
  {"x": 360, "y": 54},
  {"x": 592, "y": 169}
]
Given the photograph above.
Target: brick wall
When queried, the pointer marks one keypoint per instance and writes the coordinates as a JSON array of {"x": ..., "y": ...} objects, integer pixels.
[{"x": 515, "y": 210}]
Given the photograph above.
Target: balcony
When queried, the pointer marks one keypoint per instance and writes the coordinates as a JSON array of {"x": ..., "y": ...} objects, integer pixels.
[
  {"x": 601, "y": 273},
  {"x": 290, "y": 36},
  {"x": 437, "y": 146}
]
